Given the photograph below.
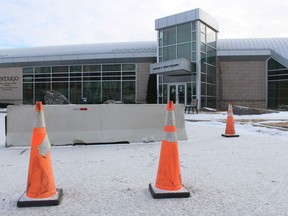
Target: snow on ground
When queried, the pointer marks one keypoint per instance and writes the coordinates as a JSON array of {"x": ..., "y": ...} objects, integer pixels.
[{"x": 226, "y": 176}]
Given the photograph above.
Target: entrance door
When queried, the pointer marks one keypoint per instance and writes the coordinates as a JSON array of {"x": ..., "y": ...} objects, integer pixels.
[{"x": 177, "y": 93}]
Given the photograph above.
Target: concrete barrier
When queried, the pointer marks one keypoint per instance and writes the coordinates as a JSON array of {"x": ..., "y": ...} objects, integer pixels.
[{"x": 90, "y": 124}]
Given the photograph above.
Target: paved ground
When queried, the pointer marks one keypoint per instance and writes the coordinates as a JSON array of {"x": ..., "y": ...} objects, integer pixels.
[{"x": 235, "y": 176}]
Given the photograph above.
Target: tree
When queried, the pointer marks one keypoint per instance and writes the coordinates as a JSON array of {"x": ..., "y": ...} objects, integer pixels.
[{"x": 151, "y": 94}]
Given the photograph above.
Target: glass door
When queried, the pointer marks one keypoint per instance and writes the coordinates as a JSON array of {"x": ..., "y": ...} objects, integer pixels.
[
  {"x": 181, "y": 94},
  {"x": 177, "y": 93}
]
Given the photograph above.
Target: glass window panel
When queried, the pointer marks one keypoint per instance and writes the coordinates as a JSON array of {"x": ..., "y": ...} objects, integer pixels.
[
  {"x": 193, "y": 56},
  {"x": 211, "y": 37},
  {"x": 193, "y": 77},
  {"x": 211, "y": 90},
  {"x": 91, "y": 68},
  {"x": 272, "y": 64},
  {"x": 203, "y": 37},
  {"x": 113, "y": 67},
  {"x": 203, "y": 47},
  {"x": 165, "y": 94},
  {"x": 160, "y": 51},
  {"x": 160, "y": 36},
  {"x": 193, "y": 26},
  {"x": 92, "y": 91},
  {"x": 76, "y": 78},
  {"x": 184, "y": 33},
  {"x": 169, "y": 36},
  {"x": 193, "y": 67},
  {"x": 129, "y": 73},
  {"x": 211, "y": 74},
  {"x": 203, "y": 68},
  {"x": 160, "y": 42},
  {"x": 169, "y": 53},
  {"x": 203, "y": 101},
  {"x": 211, "y": 102},
  {"x": 277, "y": 72},
  {"x": 160, "y": 94},
  {"x": 283, "y": 77},
  {"x": 27, "y": 93},
  {"x": 40, "y": 90},
  {"x": 128, "y": 78},
  {"x": 194, "y": 90},
  {"x": 160, "y": 33},
  {"x": 211, "y": 56},
  {"x": 194, "y": 36},
  {"x": 90, "y": 78},
  {"x": 203, "y": 77},
  {"x": 28, "y": 70},
  {"x": 64, "y": 77},
  {"x": 111, "y": 90},
  {"x": 184, "y": 51},
  {"x": 203, "y": 57},
  {"x": 202, "y": 28},
  {"x": 76, "y": 68},
  {"x": 188, "y": 93},
  {"x": 111, "y": 73},
  {"x": 128, "y": 92},
  {"x": 59, "y": 69},
  {"x": 88, "y": 74},
  {"x": 128, "y": 67},
  {"x": 42, "y": 79},
  {"x": 28, "y": 78},
  {"x": 111, "y": 78},
  {"x": 61, "y": 87},
  {"x": 39, "y": 70},
  {"x": 203, "y": 88},
  {"x": 75, "y": 92},
  {"x": 194, "y": 46}
]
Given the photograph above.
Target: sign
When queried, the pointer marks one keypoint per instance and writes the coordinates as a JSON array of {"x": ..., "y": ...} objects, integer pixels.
[
  {"x": 8, "y": 83},
  {"x": 11, "y": 85}
]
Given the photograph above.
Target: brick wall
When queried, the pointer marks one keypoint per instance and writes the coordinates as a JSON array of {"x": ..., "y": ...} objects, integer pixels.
[{"x": 242, "y": 82}]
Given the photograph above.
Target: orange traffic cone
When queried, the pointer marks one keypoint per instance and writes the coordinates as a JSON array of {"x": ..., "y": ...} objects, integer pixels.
[
  {"x": 230, "y": 129},
  {"x": 41, "y": 190},
  {"x": 168, "y": 182}
]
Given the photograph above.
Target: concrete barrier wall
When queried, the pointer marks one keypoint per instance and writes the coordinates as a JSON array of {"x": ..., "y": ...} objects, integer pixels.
[{"x": 105, "y": 123}]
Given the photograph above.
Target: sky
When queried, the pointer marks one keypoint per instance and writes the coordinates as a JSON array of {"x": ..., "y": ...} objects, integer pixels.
[{"x": 33, "y": 23}]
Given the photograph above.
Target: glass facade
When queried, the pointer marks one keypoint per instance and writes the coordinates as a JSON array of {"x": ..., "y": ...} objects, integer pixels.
[
  {"x": 277, "y": 84},
  {"x": 181, "y": 41},
  {"x": 97, "y": 83}
]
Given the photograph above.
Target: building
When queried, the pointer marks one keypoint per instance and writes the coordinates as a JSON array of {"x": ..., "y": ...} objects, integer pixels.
[
  {"x": 253, "y": 72},
  {"x": 96, "y": 72},
  {"x": 188, "y": 58}
]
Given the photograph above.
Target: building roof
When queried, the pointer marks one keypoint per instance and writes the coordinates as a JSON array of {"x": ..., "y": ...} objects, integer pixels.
[
  {"x": 78, "y": 52},
  {"x": 187, "y": 16},
  {"x": 277, "y": 48}
]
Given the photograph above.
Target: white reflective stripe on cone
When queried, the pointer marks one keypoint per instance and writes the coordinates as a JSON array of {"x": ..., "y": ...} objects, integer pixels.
[
  {"x": 170, "y": 136},
  {"x": 39, "y": 120},
  {"x": 44, "y": 147},
  {"x": 170, "y": 118}
]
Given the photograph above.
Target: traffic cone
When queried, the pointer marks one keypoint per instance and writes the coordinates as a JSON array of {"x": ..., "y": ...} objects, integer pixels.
[
  {"x": 41, "y": 190},
  {"x": 168, "y": 182},
  {"x": 230, "y": 129}
]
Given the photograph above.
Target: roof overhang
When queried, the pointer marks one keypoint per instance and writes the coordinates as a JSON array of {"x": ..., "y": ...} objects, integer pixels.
[
  {"x": 263, "y": 53},
  {"x": 172, "y": 67}
]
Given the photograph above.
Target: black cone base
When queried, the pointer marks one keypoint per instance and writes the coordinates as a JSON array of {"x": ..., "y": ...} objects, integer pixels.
[
  {"x": 25, "y": 201},
  {"x": 158, "y": 194},
  {"x": 230, "y": 135}
]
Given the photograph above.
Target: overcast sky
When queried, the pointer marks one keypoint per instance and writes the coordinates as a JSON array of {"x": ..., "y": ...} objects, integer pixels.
[{"x": 30, "y": 23}]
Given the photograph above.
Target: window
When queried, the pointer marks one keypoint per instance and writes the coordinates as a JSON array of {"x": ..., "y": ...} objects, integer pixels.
[
  {"x": 184, "y": 33},
  {"x": 169, "y": 36}
]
